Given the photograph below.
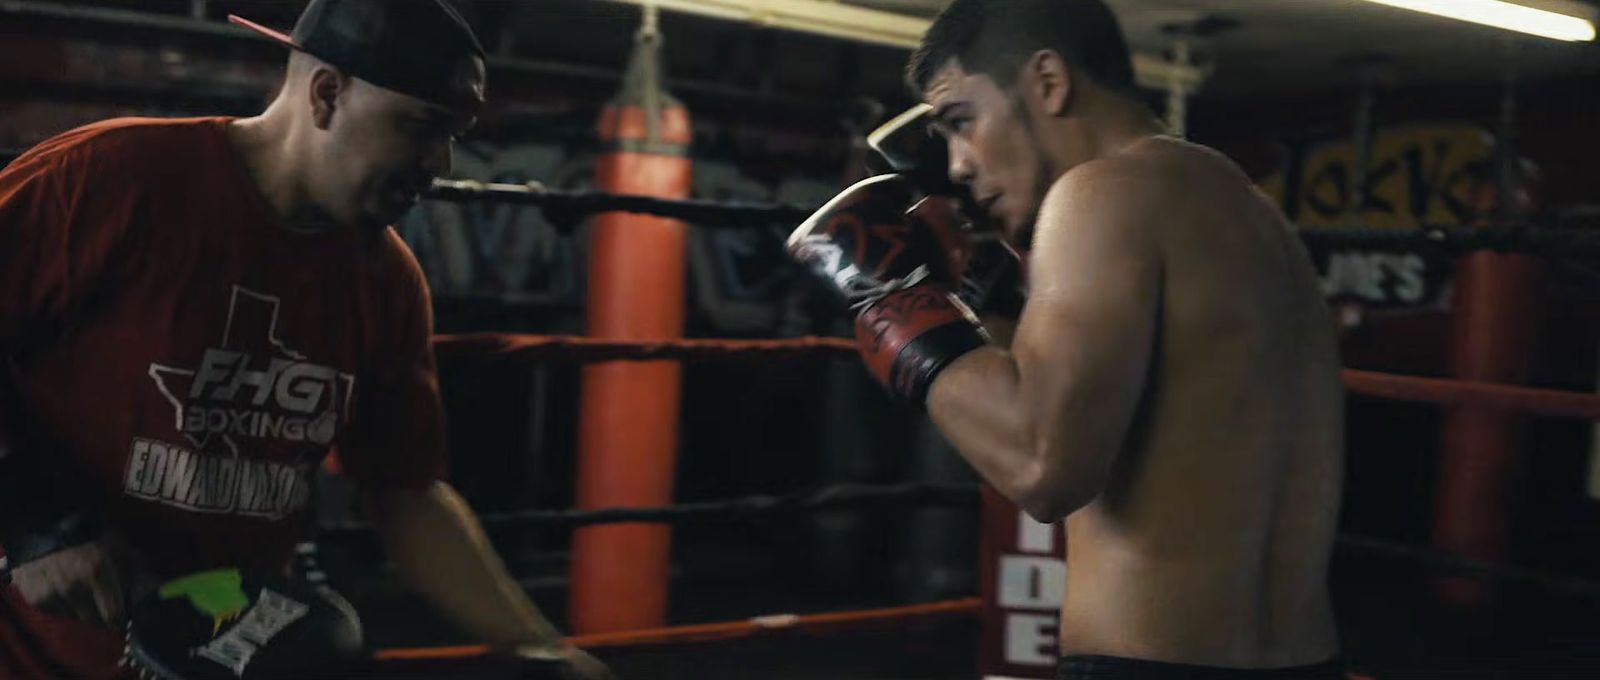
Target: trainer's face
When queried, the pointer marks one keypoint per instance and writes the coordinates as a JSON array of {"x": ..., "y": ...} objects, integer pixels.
[
  {"x": 993, "y": 149},
  {"x": 382, "y": 149}
]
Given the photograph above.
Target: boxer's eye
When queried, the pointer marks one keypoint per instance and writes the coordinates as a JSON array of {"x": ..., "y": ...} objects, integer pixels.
[{"x": 951, "y": 126}]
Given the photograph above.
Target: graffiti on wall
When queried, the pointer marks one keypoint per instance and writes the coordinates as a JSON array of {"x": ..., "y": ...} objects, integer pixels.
[
  {"x": 501, "y": 250},
  {"x": 515, "y": 253},
  {"x": 1436, "y": 175},
  {"x": 739, "y": 275},
  {"x": 1420, "y": 175}
]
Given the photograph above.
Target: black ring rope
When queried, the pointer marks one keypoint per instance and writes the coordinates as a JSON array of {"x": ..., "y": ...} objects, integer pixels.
[
  {"x": 958, "y": 495},
  {"x": 740, "y": 509},
  {"x": 567, "y": 208},
  {"x": 1462, "y": 566}
]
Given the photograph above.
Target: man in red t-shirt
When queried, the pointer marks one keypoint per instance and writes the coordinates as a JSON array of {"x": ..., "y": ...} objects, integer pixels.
[{"x": 193, "y": 313}]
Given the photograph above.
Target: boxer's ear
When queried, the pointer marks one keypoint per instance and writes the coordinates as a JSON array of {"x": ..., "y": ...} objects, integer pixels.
[{"x": 1047, "y": 80}]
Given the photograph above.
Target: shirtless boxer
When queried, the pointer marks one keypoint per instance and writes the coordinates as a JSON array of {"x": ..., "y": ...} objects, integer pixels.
[
  {"x": 193, "y": 312},
  {"x": 1172, "y": 389}
]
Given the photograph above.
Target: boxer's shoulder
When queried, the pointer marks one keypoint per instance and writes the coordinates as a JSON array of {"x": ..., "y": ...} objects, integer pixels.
[
  {"x": 1109, "y": 205},
  {"x": 1129, "y": 186}
]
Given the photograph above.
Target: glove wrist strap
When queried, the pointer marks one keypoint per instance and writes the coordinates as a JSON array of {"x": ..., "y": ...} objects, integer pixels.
[{"x": 911, "y": 335}]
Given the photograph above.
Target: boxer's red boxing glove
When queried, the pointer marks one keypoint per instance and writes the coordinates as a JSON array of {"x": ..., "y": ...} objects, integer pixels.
[
  {"x": 985, "y": 272},
  {"x": 988, "y": 271},
  {"x": 890, "y": 258}
]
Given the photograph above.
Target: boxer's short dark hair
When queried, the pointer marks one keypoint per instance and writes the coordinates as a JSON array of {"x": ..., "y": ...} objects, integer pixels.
[{"x": 995, "y": 38}]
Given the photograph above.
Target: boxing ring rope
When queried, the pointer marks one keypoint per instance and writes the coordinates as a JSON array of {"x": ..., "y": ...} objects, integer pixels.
[
  {"x": 572, "y": 348},
  {"x": 926, "y": 494},
  {"x": 740, "y": 509},
  {"x": 1526, "y": 400},
  {"x": 566, "y": 209},
  {"x": 804, "y": 624}
]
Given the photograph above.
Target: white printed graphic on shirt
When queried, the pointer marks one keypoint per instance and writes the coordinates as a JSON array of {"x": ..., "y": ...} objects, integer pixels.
[{"x": 250, "y": 387}]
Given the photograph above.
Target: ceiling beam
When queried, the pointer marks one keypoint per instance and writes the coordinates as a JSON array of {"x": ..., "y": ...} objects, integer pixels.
[
  {"x": 849, "y": 22},
  {"x": 16, "y": 14}
]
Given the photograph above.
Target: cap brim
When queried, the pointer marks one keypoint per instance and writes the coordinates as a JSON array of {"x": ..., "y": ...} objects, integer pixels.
[{"x": 276, "y": 36}]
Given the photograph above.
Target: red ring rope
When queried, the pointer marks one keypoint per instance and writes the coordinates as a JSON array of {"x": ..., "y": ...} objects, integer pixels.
[
  {"x": 575, "y": 348},
  {"x": 712, "y": 632},
  {"x": 1529, "y": 400}
]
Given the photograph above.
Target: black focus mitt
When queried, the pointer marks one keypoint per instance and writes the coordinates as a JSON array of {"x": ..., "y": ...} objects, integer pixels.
[{"x": 226, "y": 625}]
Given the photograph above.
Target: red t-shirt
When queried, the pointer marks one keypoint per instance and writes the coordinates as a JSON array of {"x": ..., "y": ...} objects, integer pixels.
[{"x": 189, "y": 358}]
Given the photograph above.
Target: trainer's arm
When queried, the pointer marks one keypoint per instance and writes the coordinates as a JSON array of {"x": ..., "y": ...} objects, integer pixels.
[
  {"x": 1044, "y": 420},
  {"x": 435, "y": 540}
]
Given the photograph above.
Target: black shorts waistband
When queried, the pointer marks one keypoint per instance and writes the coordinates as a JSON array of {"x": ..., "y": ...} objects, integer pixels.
[{"x": 1087, "y": 667}]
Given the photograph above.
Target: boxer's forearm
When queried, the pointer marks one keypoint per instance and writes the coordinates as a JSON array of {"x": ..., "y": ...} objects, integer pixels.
[
  {"x": 980, "y": 405},
  {"x": 435, "y": 540}
]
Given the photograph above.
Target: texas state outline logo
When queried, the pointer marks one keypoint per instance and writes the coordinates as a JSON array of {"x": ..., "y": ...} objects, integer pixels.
[{"x": 251, "y": 386}]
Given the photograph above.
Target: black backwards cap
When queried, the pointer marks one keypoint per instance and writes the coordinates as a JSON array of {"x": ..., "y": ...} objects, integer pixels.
[{"x": 422, "y": 48}]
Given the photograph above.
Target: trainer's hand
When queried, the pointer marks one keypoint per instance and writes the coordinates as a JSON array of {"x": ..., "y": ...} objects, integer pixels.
[
  {"x": 564, "y": 663},
  {"x": 82, "y": 582}
]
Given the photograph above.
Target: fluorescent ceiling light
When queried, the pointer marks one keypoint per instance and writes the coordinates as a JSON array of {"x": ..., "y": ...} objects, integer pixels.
[{"x": 1506, "y": 15}]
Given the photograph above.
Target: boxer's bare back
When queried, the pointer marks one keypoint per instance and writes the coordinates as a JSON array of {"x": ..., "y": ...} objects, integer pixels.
[{"x": 1210, "y": 541}]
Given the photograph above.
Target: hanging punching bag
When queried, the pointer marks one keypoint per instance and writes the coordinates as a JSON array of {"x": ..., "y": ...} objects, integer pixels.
[{"x": 628, "y": 429}]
